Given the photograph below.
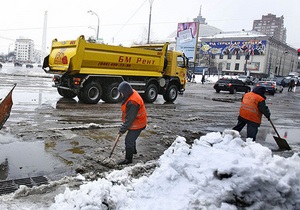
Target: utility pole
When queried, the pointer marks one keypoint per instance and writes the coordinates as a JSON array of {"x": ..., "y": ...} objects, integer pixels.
[
  {"x": 43, "y": 50},
  {"x": 151, "y": 2}
]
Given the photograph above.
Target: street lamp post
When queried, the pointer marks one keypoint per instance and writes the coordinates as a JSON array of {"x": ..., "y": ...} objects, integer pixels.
[
  {"x": 94, "y": 13},
  {"x": 90, "y": 27},
  {"x": 151, "y": 2},
  {"x": 284, "y": 55}
]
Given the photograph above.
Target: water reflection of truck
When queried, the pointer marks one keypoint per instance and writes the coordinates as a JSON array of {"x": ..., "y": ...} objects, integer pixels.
[{"x": 93, "y": 71}]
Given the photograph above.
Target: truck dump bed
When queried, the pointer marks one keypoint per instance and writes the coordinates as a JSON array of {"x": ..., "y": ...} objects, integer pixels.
[{"x": 80, "y": 56}]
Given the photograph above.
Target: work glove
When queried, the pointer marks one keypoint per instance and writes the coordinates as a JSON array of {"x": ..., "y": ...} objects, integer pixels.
[{"x": 120, "y": 133}]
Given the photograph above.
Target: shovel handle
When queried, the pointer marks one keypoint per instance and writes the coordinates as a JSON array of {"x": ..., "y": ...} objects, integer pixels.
[
  {"x": 274, "y": 128},
  {"x": 115, "y": 144}
]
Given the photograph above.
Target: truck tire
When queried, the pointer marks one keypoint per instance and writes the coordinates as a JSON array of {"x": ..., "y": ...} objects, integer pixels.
[
  {"x": 111, "y": 94},
  {"x": 90, "y": 93},
  {"x": 66, "y": 93},
  {"x": 150, "y": 94},
  {"x": 171, "y": 93}
]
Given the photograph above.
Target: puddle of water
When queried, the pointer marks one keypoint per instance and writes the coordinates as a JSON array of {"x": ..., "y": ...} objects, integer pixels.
[
  {"x": 292, "y": 136},
  {"x": 26, "y": 159}
]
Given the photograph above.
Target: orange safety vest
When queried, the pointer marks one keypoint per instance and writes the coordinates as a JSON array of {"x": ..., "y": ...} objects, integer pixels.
[
  {"x": 141, "y": 119},
  {"x": 249, "y": 107}
]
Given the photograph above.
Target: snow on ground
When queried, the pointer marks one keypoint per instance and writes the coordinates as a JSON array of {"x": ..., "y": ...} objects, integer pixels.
[
  {"x": 219, "y": 171},
  {"x": 208, "y": 79}
]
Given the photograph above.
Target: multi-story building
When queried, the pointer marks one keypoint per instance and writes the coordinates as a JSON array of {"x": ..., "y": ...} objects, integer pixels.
[
  {"x": 248, "y": 52},
  {"x": 24, "y": 50},
  {"x": 261, "y": 52},
  {"x": 271, "y": 26}
]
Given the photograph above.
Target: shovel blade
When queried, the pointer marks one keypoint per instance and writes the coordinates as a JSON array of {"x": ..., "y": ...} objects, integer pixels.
[{"x": 282, "y": 143}]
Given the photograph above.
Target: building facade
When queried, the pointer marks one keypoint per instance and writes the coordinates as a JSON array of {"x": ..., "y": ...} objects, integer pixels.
[
  {"x": 271, "y": 26},
  {"x": 24, "y": 50},
  {"x": 247, "y": 52}
]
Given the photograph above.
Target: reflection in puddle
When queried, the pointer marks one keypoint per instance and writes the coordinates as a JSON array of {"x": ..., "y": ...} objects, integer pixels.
[
  {"x": 26, "y": 159},
  {"x": 292, "y": 136}
]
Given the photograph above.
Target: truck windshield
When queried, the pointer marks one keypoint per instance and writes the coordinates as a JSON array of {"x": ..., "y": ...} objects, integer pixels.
[{"x": 180, "y": 61}]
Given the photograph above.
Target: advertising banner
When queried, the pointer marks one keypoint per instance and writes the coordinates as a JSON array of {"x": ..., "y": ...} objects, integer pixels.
[
  {"x": 187, "y": 37},
  {"x": 250, "y": 47},
  {"x": 253, "y": 66}
]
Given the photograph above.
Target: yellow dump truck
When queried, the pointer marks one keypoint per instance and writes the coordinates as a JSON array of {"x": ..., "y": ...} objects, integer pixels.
[{"x": 93, "y": 71}]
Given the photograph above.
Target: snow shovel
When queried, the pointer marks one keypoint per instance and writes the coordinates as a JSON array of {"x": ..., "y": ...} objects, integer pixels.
[
  {"x": 108, "y": 161},
  {"x": 282, "y": 143},
  {"x": 115, "y": 144}
]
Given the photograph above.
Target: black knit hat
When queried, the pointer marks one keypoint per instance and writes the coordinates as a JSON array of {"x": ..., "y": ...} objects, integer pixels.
[
  {"x": 261, "y": 90},
  {"x": 126, "y": 89}
]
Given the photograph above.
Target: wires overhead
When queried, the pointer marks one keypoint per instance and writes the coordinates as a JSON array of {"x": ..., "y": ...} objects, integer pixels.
[{"x": 129, "y": 19}]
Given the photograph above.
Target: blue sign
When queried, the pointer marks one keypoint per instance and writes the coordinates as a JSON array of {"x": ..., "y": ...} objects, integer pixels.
[{"x": 251, "y": 47}]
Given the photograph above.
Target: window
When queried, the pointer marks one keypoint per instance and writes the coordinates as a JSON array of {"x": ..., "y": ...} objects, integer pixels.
[
  {"x": 221, "y": 56},
  {"x": 180, "y": 62},
  {"x": 237, "y": 66},
  {"x": 229, "y": 56},
  {"x": 228, "y": 66},
  {"x": 238, "y": 57}
]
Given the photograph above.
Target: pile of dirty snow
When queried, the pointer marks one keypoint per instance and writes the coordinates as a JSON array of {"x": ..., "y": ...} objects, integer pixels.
[{"x": 219, "y": 171}]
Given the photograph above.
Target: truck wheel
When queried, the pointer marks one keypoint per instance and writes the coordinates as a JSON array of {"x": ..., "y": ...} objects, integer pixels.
[
  {"x": 171, "y": 93},
  {"x": 150, "y": 94},
  {"x": 90, "y": 93},
  {"x": 111, "y": 94},
  {"x": 66, "y": 93}
]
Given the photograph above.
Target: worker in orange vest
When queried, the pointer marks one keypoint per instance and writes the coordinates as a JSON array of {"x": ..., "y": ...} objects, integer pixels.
[
  {"x": 252, "y": 108},
  {"x": 134, "y": 118}
]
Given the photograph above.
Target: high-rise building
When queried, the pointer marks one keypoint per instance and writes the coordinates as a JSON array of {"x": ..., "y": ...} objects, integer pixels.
[
  {"x": 271, "y": 26},
  {"x": 24, "y": 49}
]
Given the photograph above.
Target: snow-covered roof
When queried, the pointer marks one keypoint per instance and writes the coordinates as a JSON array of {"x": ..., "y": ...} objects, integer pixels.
[{"x": 237, "y": 34}]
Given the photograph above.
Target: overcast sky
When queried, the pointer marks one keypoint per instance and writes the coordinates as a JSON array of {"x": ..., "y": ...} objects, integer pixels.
[{"x": 123, "y": 22}]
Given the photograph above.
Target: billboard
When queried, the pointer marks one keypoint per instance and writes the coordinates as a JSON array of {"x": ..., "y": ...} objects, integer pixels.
[
  {"x": 253, "y": 66},
  {"x": 250, "y": 47},
  {"x": 186, "y": 40}
]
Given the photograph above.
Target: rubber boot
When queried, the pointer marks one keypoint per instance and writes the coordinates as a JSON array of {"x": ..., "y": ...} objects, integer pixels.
[
  {"x": 128, "y": 157},
  {"x": 134, "y": 150}
]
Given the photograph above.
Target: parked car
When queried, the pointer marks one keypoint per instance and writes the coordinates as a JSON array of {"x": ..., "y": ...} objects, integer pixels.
[
  {"x": 246, "y": 79},
  {"x": 269, "y": 85},
  {"x": 278, "y": 87},
  {"x": 231, "y": 85},
  {"x": 279, "y": 83},
  {"x": 29, "y": 66}
]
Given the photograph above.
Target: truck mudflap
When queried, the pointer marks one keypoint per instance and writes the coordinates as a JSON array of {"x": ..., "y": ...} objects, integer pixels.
[{"x": 45, "y": 66}]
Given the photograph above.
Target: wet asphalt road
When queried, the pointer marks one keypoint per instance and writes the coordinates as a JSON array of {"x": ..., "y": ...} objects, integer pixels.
[{"x": 49, "y": 135}]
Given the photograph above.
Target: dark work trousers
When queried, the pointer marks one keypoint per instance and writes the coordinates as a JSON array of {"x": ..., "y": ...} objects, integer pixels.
[
  {"x": 131, "y": 137},
  {"x": 252, "y": 128}
]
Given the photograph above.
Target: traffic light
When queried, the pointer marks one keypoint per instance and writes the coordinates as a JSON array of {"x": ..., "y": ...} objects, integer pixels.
[{"x": 298, "y": 52}]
